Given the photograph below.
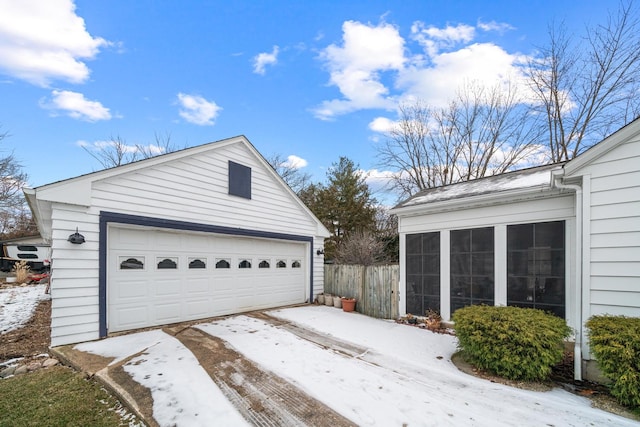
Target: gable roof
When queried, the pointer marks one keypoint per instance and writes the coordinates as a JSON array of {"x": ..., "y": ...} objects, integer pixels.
[
  {"x": 77, "y": 190},
  {"x": 532, "y": 181},
  {"x": 617, "y": 138}
]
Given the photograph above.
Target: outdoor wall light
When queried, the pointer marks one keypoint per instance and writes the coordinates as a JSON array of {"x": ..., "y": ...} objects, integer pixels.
[
  {"x": 320, "y": 252},
  {"x": 76, "y": 238}
]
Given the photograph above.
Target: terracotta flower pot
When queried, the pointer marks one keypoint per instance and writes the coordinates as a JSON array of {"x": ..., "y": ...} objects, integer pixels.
[
  {"x": 321, "y": 299},
  {"x": 348, "y": 304}
]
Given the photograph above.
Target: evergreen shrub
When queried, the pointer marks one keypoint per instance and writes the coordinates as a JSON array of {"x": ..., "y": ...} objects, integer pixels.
[
  {"x": 512, "y": 342},
  {"x": 615, "y": 342}
]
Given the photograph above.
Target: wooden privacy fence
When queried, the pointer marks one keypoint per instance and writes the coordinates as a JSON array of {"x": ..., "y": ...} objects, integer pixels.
[{"x": 375, "y": 287}]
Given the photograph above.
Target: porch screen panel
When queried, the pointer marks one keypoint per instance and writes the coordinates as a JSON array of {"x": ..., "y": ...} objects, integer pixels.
[
  {"x": 472, "y": 267},
  {"x": 536, "y": 266},
  {"x": 423, "y": 273}
]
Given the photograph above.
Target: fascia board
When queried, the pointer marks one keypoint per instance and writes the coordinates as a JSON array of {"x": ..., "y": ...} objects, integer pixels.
[
  {"x": 503, "y": 197},
  {"x": 322, "y": 231},
  {"x": 626, "y": 133},
  {"x": 43, "y": 221}
]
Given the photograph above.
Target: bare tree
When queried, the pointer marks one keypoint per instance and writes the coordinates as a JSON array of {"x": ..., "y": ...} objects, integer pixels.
[
  {"x": 16, "y": 223},
  {"x": 14, "y": 218},
  {"x": 585, "y": 89},
  {"x": 163, "y": 144},
  {"x": 361, "y": 248},
  {"x": 117, "y": 152},
  {"x": 483, "y": 131},
  {"x": 387, "y": 233},
  {"x": 12, "y": 179},
  {"x": 290, "y": 173}
]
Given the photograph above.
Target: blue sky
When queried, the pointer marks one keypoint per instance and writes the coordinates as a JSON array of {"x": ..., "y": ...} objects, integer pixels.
[{"x": 314, "y": 80}]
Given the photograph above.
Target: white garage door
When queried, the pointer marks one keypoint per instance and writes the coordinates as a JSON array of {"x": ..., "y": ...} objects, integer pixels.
[{"x": 156, "y": 277}]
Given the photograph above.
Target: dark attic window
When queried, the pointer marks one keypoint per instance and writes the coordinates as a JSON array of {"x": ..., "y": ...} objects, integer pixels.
[{"x": 239, "y": 180}]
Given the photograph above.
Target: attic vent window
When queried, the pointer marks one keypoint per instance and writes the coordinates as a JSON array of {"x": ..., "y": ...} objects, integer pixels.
[{"x": 239, "y": 180}]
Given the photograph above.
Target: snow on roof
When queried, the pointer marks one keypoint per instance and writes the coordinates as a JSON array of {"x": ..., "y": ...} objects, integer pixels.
[{"x": 522, "y": 179}]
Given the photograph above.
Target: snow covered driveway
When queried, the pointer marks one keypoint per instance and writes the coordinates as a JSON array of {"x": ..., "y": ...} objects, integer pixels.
[{"x": 383, "y": 374}]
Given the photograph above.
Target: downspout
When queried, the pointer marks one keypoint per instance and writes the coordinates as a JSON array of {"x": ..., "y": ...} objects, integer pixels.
[{"x": 577, "y": 350}]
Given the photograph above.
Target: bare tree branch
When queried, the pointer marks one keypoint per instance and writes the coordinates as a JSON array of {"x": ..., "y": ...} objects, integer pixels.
[
  {"x": 116, "y": 152},
  {"x": 14, "y": 218},
  {"x": 290, "y": 173},
  {"x": 483, "y": 131},
  {"x": 587, "y": 89}
]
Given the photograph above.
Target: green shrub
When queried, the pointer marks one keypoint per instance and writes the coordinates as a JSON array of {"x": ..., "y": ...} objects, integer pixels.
[
  {"x": 615, "y": 341},
  {"x": 514, "y": 343}
]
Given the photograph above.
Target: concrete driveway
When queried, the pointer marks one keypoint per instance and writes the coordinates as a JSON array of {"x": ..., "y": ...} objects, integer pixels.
[{"x": 316, "y": 366}]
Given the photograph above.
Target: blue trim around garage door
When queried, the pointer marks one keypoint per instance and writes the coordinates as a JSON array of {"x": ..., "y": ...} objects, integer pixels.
[{"x": 118, "y": 218}]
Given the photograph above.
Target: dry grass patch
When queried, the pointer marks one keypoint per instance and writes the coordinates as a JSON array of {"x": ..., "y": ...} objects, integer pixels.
[{"x": 59, "y": 396}]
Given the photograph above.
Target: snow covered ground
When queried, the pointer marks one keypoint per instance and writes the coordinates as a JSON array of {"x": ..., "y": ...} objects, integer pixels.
[
  {"x": 17, "y": 305},
  {"x": 404, "y": 377}
]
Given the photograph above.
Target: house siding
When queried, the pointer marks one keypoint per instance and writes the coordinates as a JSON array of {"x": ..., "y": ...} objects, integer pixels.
[
  {"x": 74, "y": 276},
  {"x": 192, "y": 189},
  {"x": 614, "y": 231}
]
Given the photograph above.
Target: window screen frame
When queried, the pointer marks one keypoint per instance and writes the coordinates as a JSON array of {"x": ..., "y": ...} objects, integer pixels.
[{"x": 239, "y": 180}]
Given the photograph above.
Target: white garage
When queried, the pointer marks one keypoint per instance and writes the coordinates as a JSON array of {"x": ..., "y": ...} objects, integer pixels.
[
  {"x": 206, "y": 231},
  {"x": 156, "y": 277}
]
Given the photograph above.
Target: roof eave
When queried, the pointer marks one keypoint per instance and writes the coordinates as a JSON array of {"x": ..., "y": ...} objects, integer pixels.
[
  {"x": 622, "y": 135},
  {"x": 501, "y": 197}
]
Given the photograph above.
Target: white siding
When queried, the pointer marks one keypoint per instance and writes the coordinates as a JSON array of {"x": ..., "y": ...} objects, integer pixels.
[
  {"x": 557, "y": 208},
  {"x": 196, "y": 190},
  {"x": 192, "y": 189},
  {"x": 614, "y": 224},
  {"x": 74, "y": 276},
  {"x": 318, "y": 268}
]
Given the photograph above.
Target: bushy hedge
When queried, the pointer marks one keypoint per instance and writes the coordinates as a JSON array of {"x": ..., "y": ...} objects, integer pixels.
[
  {"x": 615, "y": 341},
  {"x": 514, "y": 343}
]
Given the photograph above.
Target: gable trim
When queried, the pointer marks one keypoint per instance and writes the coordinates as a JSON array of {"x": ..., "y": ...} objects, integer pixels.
[
  {"x": 619, "y": 137},
  {"x": 107, "y": 218}
]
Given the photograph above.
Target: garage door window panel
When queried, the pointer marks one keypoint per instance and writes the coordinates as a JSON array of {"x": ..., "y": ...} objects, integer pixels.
[
  {"x": 281, "y": 264},
  {"x": 296, "y": 264},
  {"x": 167, "y": 263},
  {"x": 245, "y": 263},
  {"x": 197, "y": 263},
  {"x": 264, "y": 264},
  {"x": 131, "y": 263},
  {"x": 223, "y": 263}
]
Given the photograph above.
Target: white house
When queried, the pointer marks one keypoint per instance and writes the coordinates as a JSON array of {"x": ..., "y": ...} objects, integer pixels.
[
  {"x": 205, "y": 231},
  {"x": 563, "y": 238}
]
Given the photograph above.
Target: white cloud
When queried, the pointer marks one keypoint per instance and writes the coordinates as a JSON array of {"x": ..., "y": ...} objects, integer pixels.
[
  {"x": 382, "y": 124},
  {"x": 41, "y": 41},
  {"x": 263, "y": 59},
  {"x": 379, "y": 182},
  {"x": 295, "y": 162},
  {"x": 499, "y": 27},
  {"x": 103, "y": 145},
  {"x": 374, "y": 68},
  {"x": 434, "y": 39},
  {"x": 76, "y": 106},
  {"x": 355, "y": 67},
  {"x": 197, "y": 110},
  {"x": 482, "y": 63}
]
